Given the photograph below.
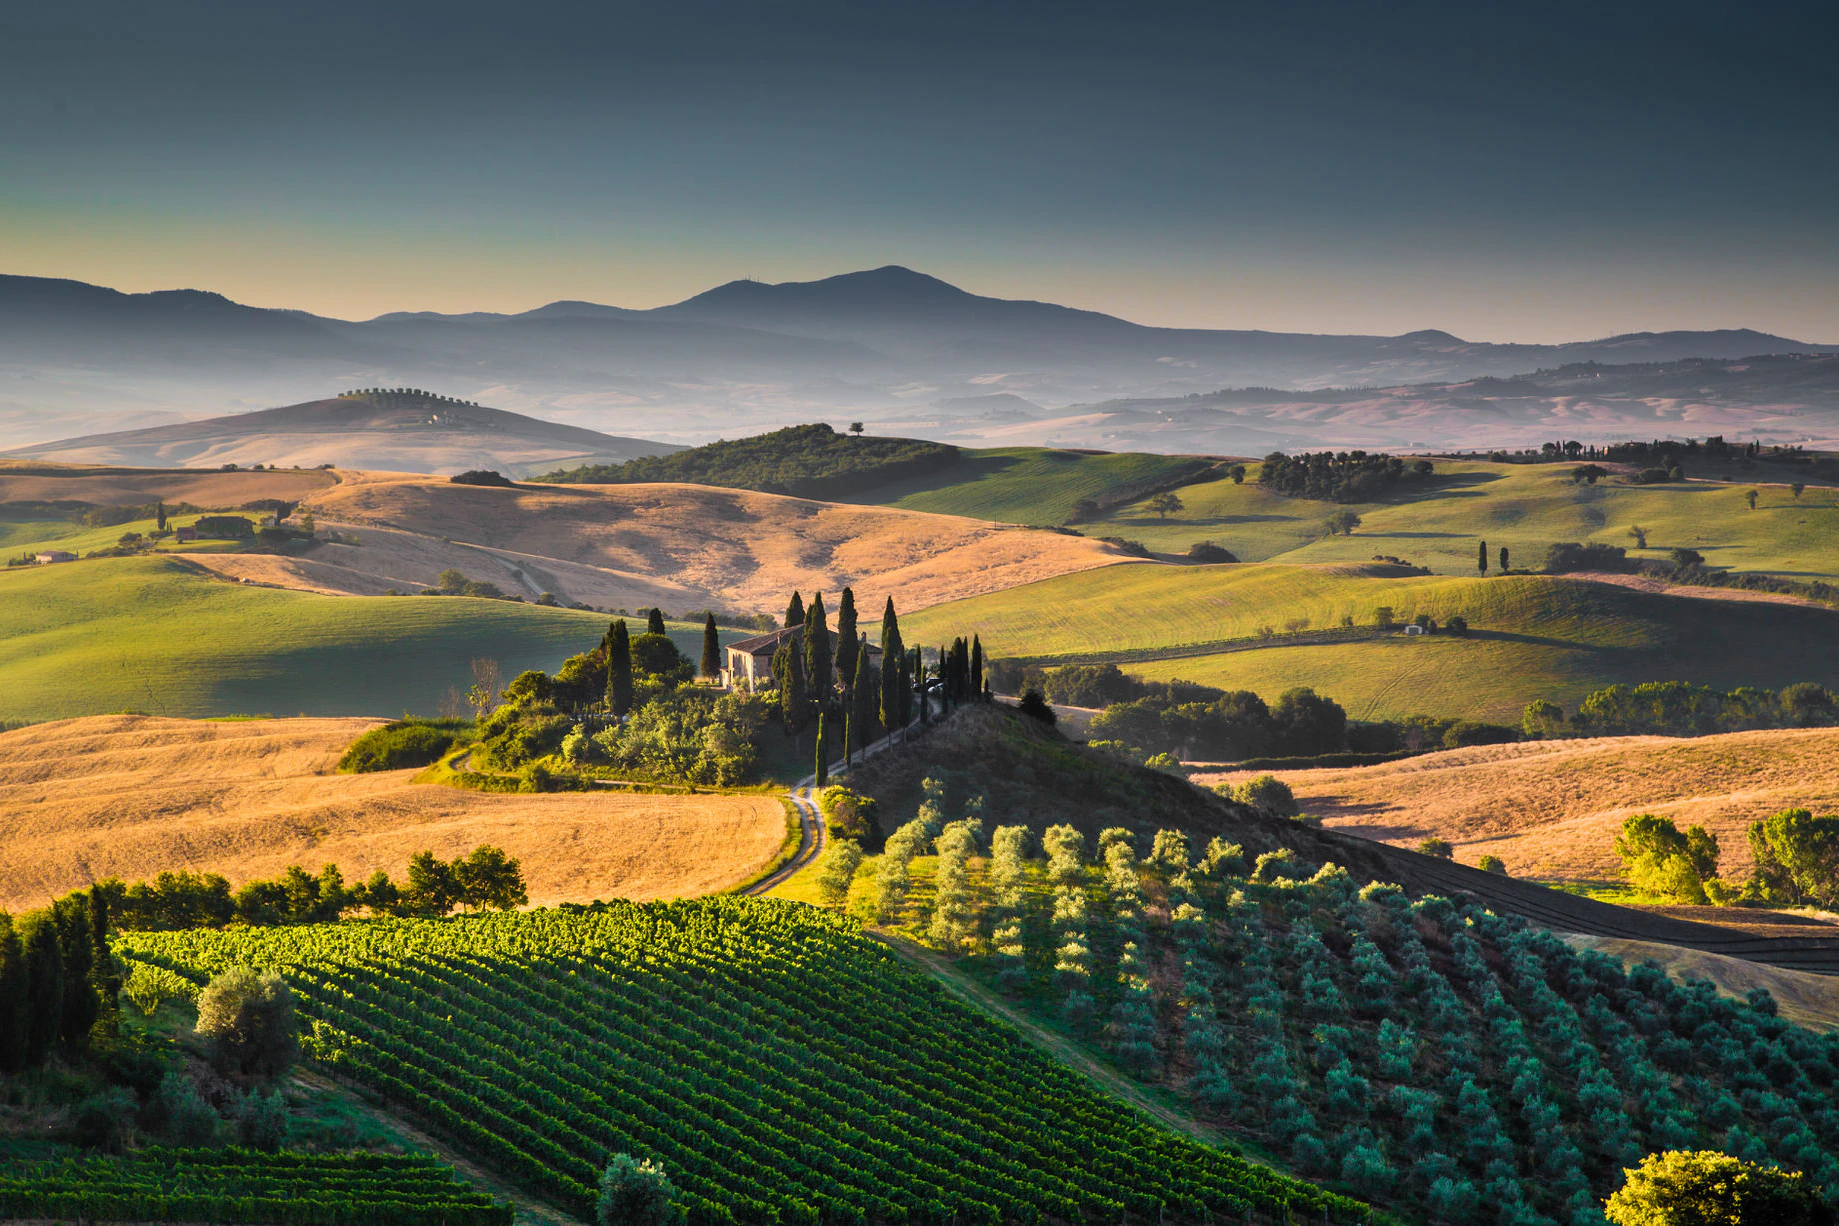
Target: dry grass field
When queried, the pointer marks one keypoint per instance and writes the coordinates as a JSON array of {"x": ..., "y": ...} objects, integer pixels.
[
  {"x": 1551, "y": 809},
  {"x": 681, "y": 546},
  {"x": 37, "y": 481},
  {"x": 129, "y": 796}
]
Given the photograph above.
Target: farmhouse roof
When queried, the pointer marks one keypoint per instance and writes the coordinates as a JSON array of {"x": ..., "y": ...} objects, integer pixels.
[{"x": 767, "y": 644}]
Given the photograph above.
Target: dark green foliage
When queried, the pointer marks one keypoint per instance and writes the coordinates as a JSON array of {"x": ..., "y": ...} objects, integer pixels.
[
  {"x": 795, "y": 611},
  {"x": 1347, "y": 476},
  {"x": 865, "y": 702},
  {"x": 1208, "y": 552},
  {"x": 224, "y": 1185},
  {"x": 1091, "y": 685},
  {"x": 404, "y": 743},
  {"x": 453, "y": 582},
  {"x": 896, "y": 696},
  {"x": 794, "y": 702},
  {"x": 45, "y": 985},
  {"x": 1797, "y": 857},
  {"x": 1570, "y": 556},
  {"x": 654, "y": 621},
  {"x": 1481, "y": 556},
  {"x": 821, "y": 772},
  {"x": 634, "y": 1193},
  {"x": 482, "y": 476},
  {"x": 1678, "y": 708},
  {"x": 847, "y": 645},
  {"x": 619, "y": 669},
  {"x": 546, "y": 1043},
  {"x": 14, "y": 1017},
  {"x": 1035, "y": 707},
  {"x": 711, "y": 648},
  {"x": 975, "y": 689},
  {"x": 230, "y": 526},
  {"x": 820, "y": 674},
  {"x": 248, "y": 1021},
  {"x": 82, "y": 1003},
  {"x": 811, "y": 461}
]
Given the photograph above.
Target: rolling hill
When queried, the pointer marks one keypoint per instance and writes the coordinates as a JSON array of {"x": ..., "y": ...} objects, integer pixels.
[
  {"x": 391, "y": 431},
  {"x": 855, "y": 345},
  {"x": 1551, "y": 809},
  {"x": 132, "y": 796},
  {"x": 1531, "y": 636}
]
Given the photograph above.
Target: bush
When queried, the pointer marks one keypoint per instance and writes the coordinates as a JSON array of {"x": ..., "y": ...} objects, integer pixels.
[
  {"x": 846, "y": 814},
  {"x": 261, "y": 1123},
  {"x": 101, "y": 1120},
  {"x": 1571, "y": 556},
  {"x": 403, "y": 744},
  {"x": 248, "y": 1020},
  {"x": 1470, "y": 732},
  {"x": 1035, "y": 707},
  {"x": 1439, "y": 848},
  {"x": 634, "y": 1193},
  {"x": 1493, "y": 864},
  {"x": 1091, "y": 685},
  {"x": 1707, "y": 1188},
  {"x": 482, "y": 476},
  {"x": 1207, "y": 551},
  {"x": 1266, "y": 793}
]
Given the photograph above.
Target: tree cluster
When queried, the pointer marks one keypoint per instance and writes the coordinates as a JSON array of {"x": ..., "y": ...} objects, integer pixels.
[
  {"x": 58, "y": 979},
  {"x": 810, "y": 461},
  {"x": 1679, "y": 708},
  {"x": 1341, "y": 476}
]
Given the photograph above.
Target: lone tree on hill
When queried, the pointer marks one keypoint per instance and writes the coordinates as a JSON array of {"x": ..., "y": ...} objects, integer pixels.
[
  {"x": 654, "y": 621},
  {"x": 1797, "y": 489},
  {"x": 1481, "y": 556},
  {"x": 1750, "y": 497},
  {"x": 711, "y": 648},
  {"x": 795, "y": 611},
  {"x": 819, "y": 674},
  {"x": 1503, "y": 557},
  {"x": 1639, "y": 535},
  {"x": 1165, "y": 505},
  {"x": 1237, "y": 473},
  {"x": 159, "y": 515},
  {"x": 856, "y": 428},
  {"x": 846, "y": 645},
  {"x": 619, "y": 669},
  {"x": 1343, "y": 522}
]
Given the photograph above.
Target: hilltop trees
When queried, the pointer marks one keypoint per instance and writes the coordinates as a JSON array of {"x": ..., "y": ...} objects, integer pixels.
[
  {"x": 1166, "y": 504},
  {"x": 1503, "y": 557}
]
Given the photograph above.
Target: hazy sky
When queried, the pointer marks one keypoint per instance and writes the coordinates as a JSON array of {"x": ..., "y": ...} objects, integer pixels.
[{"x": 1548, "y": 173}]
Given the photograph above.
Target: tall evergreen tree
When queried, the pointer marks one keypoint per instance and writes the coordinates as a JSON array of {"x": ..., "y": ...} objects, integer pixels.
[
  {"x": 893, "y": 672},
  {"x": 976, "y": 669},
  {"x": 1503, "y": 557},
  {"x": 919, "y": 685},
  {"x": 795, "y": 611},
  {"x": 77, "y": 954},
  {"x": 846, "y": 645},
  {"x": 711, "y": 648},
  {"x": 819, "y": 673},
  {"x": 654, "y": 622},
  {"x": 104, "y": 972},
  {"x": 12, "y": 998},
  {"x": 866, "y": 694},
  {"x": 44, "y": 976},
  {"x": 789, "y": 669},
  {"x": 822, "y": 773},
  {"x": 1481, "y": 556},
  {"x": 619, "y": 669},
  {"x": 159, "y": 516}
]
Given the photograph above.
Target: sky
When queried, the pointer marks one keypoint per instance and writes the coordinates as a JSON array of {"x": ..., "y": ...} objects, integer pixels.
[{"x": 1531, "y": 172}]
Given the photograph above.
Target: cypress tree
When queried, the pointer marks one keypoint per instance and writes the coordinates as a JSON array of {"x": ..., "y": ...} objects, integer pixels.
[
  {"x": 654, "y": 624},
  {"x": 104, "y": 972},
  {"x": 906, "y": 686},
  {"x": 619, "y": 669},
  {"x": 846, "y": 645},
  {"x": 711, "y": 648},
  {"x": 77, "y": 953},
  {"x": 864, "y": 692},
  {"x": 976, "y": 669},
  {"x": 919, "y": 685},
  {"x": 795, "y": 612},
  {"x": 818, "y": 670},
  {"x": 1503, "y": 557},
  {"x": 1481, "y": 556},
  {"x": 44, "y": 976},
  {"x": 822, "y": 773},
  {"x": 893, "y": 670},
  {"x": 12, "y": 998},
  {"x": 789, "y": 668},
  {"x": 159, "y": 515}
]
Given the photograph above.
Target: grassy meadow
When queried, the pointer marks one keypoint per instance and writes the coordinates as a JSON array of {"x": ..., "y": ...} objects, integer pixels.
[
  {"x": 1531, "y": 637},
  {"x": 1026, "y": 485},
  {"x": 152, "y": 634}
]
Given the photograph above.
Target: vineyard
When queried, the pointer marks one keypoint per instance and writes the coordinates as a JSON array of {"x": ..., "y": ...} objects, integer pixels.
[
  {"x": 781, "y": 1066},
  {"x": 1424, "y": 1055},
  {"x": 231, "y": 1185}
]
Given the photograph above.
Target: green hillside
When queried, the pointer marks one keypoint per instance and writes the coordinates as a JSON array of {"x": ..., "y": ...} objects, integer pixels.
[
  {"x": 1524, "y": 507},
  {"x": 780, "y": 1065},
  {"x": 1035, "y": 485},
  {"x": 1531, "y": 637},
  {"x": 152, "y": 634}
]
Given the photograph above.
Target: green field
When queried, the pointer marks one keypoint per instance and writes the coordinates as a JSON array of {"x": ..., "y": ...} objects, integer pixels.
[
  {"x": 152, "y": 634},
  {"x": 1531, "y": 637},
  {"x": 782, "y": 1066},
  {"x": 1028, "y": 485},
  {"x": 30, "y": 535},
  {"x": 1524, "y": 507}
]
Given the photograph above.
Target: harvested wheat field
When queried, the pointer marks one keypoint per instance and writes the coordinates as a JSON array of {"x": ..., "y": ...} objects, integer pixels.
[
  {"x": 128, "y": 796},
  {"x": 36, "y": 481},
  {"x": 1551, "y": 809},
  {"x": 681, "y": 546}
]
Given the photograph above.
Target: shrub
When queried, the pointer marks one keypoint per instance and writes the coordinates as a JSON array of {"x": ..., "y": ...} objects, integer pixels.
[
  {"x": 634, "y": 1193},
  {"x": 1492, "y": 864},
  {"x": 1207, "y": 551},
  {"x": 847, "y": 815},
  {"x": 403, "y": 744},
  {"x": 1470, "y": 732},
  {"x": 836, "y": 872},
  {"x": 1267, "y": 793},
  {"x": 482, "y": 476},
  {"x": 101, "y": 1120},
  {"x": 1570, "y": 556},
  {"x": 261, "y": 1123},
  {"x": 1439, "y": 848},
  {"x": 248, "y": 1020},
  {"x": 1035, "y": 707}
]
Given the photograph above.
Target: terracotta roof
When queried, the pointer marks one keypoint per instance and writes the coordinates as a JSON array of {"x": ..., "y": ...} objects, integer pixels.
[{"x": 767, "y": 644}]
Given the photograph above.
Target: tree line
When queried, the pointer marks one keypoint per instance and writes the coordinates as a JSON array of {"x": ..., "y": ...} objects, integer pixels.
[
  {"x": 1341, "y": 476},
  {"x": 1679, "y": 708}
]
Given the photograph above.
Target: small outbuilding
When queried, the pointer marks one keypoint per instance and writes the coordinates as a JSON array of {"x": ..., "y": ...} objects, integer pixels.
[
  {"x": 750, "y": 661},
  {"x": 53, "y": 555}
]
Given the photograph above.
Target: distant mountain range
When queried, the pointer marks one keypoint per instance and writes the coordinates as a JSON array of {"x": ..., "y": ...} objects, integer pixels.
[
  {"x": 889, "y": 343},
  {"x": 391, "y": 432}
]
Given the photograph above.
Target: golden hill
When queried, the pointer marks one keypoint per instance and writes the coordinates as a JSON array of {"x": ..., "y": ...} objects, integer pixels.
[
  {"x": 129, "y": 796},
  {"x": 679, "y": 546},
  {"x": 35, "y": 482},
  {"x": 1551, "y": 809}
]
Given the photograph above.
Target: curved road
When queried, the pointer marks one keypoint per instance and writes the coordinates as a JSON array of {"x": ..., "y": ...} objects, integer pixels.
[{"x": 810, "y": 840}]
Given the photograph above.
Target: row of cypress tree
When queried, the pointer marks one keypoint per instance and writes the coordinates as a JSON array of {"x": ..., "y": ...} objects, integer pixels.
[{"x": 57, "y": 979}]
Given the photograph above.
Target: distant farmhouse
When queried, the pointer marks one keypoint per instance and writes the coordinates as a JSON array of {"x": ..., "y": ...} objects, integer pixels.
[
  {"x": 750, "y": 661},
  {"x": 57, "y": 555}
]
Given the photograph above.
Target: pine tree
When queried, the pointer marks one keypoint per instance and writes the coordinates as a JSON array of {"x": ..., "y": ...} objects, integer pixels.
[
  {"x": 846, "y": 645},
  {"x": 795, "y": 612},
  {"x": 1481, "y": 556},
  {"x": 619, "y": 669},
  {"x": 819, "y": 674},
  {"x": 654, "y": 622},
  {"x": 711, "y": 648},
  {"x": 976, "y": 686}
]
